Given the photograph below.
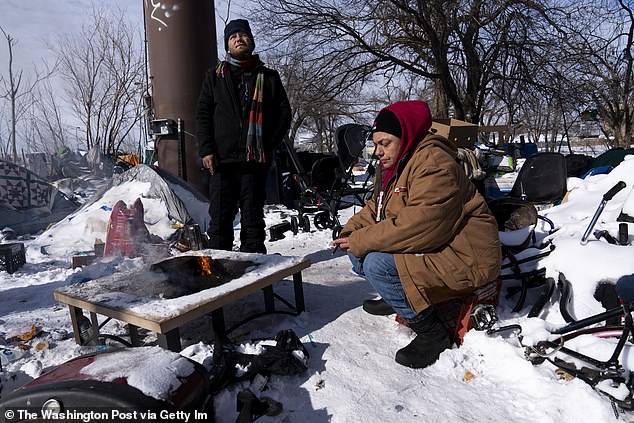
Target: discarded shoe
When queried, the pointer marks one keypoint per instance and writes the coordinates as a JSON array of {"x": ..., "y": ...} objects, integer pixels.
[{"x": 378, "y": 307}]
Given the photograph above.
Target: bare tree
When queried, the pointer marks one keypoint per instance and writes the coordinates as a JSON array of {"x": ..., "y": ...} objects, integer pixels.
[
  {"x": 48, "y": 131},
  {"x": 602, "y": 41},
  {"x": 461, "y": 47},
  {"x": 319, "y": 101},
  {"x": 15, "y": 92},
  {"x": 103, "y": 71},
  {"x": 4, "y": 134}
]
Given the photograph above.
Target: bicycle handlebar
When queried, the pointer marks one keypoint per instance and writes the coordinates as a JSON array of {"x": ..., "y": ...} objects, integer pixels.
[
  {"x": 606, "y": 197},
  {"x": 613, "y": 191}
]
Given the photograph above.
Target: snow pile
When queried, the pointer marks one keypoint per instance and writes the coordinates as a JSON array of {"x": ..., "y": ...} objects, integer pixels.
[
  {"x": 154, "y": 371},
  {"x": 351, "y": 373}
]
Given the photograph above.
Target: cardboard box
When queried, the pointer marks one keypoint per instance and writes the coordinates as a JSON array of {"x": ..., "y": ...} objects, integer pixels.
[
  {"x": 82, "y": 260},
  {"x": 463, "y": 134}
]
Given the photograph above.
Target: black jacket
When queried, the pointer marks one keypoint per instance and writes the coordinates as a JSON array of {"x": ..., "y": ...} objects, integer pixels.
[{"x": 221, "y": 126}]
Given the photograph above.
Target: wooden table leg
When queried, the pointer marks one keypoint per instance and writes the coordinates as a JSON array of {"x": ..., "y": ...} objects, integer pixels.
[
  {"x": 218, "y": 324},
  {"x": 170, "y": 340},
  {"x": 269, "y": 300},
  {"x": 298, "y": 286},
  {"x": 134, "y": 335},
  {"x": 95, "y": 325},
  {"x": 75, "y": 314}
]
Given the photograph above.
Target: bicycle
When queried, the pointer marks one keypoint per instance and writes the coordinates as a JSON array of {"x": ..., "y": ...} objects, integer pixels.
[{"x": 599, "y": 373}]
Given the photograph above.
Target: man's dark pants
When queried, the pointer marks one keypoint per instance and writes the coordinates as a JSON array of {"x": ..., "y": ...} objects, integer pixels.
[{"x": 233, "y": 186}]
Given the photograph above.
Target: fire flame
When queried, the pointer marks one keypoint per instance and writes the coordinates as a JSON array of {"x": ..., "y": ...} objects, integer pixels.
[{"x": 204, "y": 263}]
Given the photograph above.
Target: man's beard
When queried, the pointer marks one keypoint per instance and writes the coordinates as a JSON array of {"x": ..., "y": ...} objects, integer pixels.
[{"x": 243, "y": 54}]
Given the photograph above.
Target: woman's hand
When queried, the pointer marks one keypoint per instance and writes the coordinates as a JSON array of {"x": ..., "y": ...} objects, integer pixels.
[{"x": 343, "y": 243}]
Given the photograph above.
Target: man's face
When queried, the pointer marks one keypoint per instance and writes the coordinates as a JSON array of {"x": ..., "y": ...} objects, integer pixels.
[
  {"x": 240, "y": 45},
  {"x": 387, "y": 148}
]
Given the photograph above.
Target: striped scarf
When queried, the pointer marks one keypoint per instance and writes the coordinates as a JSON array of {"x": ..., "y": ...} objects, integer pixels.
[
  {"x": 255, "y": 149},
  {"x": 254, "y": 142}
]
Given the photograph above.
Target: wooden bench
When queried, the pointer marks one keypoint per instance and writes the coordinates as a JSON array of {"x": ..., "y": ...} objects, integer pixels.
[{"x": 137, "y": 297}]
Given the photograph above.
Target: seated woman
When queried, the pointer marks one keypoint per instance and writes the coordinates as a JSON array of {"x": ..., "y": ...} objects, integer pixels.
[{"x": 426, "y": 236}]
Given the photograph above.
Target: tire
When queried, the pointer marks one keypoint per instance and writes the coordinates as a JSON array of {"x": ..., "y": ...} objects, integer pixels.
[
  {"x": 305, "y": 221},
  {"x": 294, "y": 225},
  {"x": 336, "y": 231},
  {"x": 322, "y": 220}
]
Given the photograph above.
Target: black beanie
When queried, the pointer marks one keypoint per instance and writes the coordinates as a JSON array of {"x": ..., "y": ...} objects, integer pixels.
[
  {"x": 386, "y": 121},
  {"x": 237, "y": 25}
]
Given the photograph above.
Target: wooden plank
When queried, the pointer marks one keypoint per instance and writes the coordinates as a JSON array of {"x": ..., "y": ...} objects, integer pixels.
[
  {"x": 232, "y": 296},
  {"x": 74, "y": 314},
  {"x": 124, "y": 316}
]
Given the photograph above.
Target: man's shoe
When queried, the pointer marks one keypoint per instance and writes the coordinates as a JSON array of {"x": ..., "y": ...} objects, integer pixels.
[
  {"x": 378, "y": 307},
  {"x": 431, "y": 339}
]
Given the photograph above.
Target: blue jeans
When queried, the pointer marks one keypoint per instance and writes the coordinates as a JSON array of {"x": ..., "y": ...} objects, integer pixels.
[{"x": 380, "y": 270}]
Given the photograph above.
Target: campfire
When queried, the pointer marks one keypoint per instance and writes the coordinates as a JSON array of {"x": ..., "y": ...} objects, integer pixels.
[
  {"x": 190, "y": 274},
  {"x": 204, "y": 266}
]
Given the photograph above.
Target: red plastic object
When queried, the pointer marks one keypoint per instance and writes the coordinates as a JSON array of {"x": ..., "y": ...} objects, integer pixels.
[
  {"x": 126, "y": 230},
  {"x": 455, "y": 313}
]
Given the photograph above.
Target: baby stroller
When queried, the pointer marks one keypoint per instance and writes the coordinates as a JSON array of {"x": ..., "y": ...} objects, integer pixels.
[{"x": 323, "y": 184}]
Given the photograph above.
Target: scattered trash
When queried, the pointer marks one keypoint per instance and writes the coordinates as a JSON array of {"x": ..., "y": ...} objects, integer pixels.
[
  {"x": 259, "y": 383},
  {"x": 58, "y": 334},
  {"x": 468, "y": 376},
  {"x": 41, "y": 346},
  {"x": 563, "y": 375},
  {"x": 24, "y": 336},
  {"x": 310, "y": 338},
  {"x": 7, "y": 355}
]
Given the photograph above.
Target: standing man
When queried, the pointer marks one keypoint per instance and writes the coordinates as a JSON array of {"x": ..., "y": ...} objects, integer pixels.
[{"x": 242, "y": 114}]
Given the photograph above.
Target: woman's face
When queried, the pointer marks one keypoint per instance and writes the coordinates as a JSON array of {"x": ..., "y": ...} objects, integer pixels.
[{"x": 387, "y": 148}]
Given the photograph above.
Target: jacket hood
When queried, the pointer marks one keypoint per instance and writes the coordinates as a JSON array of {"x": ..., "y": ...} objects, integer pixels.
[
  {"x": 439, "y": 141},
  {"x": 415, "y": 119}
]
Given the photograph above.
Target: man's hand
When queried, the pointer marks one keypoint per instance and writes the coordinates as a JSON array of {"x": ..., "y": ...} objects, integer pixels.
[{"x": 209, "y": 163}]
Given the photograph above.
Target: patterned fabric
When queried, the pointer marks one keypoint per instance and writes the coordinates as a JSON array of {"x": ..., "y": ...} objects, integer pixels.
[
  {"x": 22, "y": 189},
  {"x": 255, "y": 150}
]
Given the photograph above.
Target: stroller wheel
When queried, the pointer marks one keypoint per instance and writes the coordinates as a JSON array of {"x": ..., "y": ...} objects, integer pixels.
[
  {"x": 336, "y": 231},
  {"x": 323, "y": 221},
  {"x": 305, "y": 223},
  {"x": 294, "y": 225}
]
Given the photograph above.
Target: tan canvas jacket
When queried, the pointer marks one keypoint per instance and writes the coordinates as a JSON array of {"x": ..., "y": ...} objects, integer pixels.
[{"x": 443, "y": 236}]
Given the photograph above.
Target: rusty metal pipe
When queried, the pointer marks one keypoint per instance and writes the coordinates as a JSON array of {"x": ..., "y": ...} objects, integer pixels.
[{"x": 181, "y": 47}]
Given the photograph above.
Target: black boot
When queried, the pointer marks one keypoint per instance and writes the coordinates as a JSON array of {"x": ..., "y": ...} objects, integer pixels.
[
  {"x": 377, "y": 307},
  {"x": 431, "y": 339}
]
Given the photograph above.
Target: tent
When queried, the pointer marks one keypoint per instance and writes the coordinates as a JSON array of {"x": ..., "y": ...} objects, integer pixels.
[
  {"x": 168, "y": 202},
  {"x": 184, "y": 203}
]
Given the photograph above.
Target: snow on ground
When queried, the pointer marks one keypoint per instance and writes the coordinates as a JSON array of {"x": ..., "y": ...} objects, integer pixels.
[{"x": 352, "y": 375}]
